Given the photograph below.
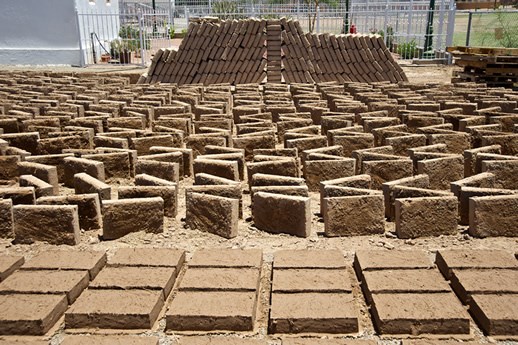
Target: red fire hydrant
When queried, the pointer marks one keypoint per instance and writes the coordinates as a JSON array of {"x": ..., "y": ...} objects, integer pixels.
[{"x": 352, "y": 29}]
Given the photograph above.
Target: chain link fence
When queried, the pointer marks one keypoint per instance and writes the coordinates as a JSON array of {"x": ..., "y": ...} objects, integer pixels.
[{"x": 491, "y": 28}]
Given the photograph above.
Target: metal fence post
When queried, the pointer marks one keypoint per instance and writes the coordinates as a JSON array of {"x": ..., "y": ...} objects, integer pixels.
[
  {"x": 142, "y": 40},
  {"x": 468, "y": 34},
  {"x": 317, "y": 29},
  {"x": 187, "y": 15},
  {"x": 82, "y": 62}
]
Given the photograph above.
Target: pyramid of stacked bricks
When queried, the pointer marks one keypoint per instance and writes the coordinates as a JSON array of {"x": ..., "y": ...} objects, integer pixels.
[
  {"x": 214, "y": 52},
  {"x": 234, "y": 52}
]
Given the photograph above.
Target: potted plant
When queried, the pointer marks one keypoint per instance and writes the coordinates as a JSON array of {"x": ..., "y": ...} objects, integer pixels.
[{"x": 121, "y": 50}]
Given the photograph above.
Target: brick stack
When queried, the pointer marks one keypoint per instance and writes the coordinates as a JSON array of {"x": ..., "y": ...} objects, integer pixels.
[
  {"x": 310, "y": 58},
  {"x": 212, "y": 53},
  {"x": 274, "y": 66}
]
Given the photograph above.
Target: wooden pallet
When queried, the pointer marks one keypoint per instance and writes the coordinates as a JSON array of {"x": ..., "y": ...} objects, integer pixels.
[{"x": 458, "y": 50}]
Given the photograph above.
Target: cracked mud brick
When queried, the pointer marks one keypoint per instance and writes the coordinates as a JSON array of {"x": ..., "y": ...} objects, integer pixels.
[
  {"x": 148, "y": 257},
  {"x": 9, "y": 264},
  {"x": 209, "y": 311},
  {"x": 234, "y": 258},
  {"x": 313, "y": 313},
  {"x": 109, "y": 340},
  {"x": 221, "y": 279},
  {"x": 311, "y": 280},
  {"x": 69, "y": 283},
  {"x": 138, "y": 278},
  {"x": 496, "y": 314},
  {"x": 455, "y": 259},
  {"x": 416, "y": 313},
  {"x": 24, "y": 314},
  {"x": 115, "y": 309},
  {"x": 91, "y": 261},
  {"x": 467, "y": 282}
]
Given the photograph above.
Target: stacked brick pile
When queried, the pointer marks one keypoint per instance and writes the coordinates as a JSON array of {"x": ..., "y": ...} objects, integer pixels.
[
  {"x": 234, "y": 52},
  {"x": 211, "y": 53},
  {"x": 316, "y": 58}
]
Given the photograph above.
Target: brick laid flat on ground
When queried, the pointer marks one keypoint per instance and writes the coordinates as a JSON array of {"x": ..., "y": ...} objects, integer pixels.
[
  {"x": 69, "y": 283},
  {"x": 436, "y": 342},
  {"x": 313, "y": 313},
  {"x": 448, "y": 260},
  {"x": 496, "y": 314},
  {"x": 220, "y": 341},
  {"x": 227, "y": 258},
  {"x": 415, "y": 313},
  {"x": 223, "y": 279},
  {"x": 311, "y": 280},
  {"x": 399, "y": 281},
  {"x": 487, "y": 281},
  {"x": 319, "y": 341},
  {"x": 208, "y": 311},
  {"x": 22, "y": 342},
  {"x": 367, "y": 260},
  {"x": 9, "y": 264},
  {"x": 24, "y": 314},
  {"x": 143, "y": 278},
  {"x": 309, "y": 259},
  {"x": 152, "y": 257},
  {"x": 118, "y": 309},
  {"x": 91, "y": 261},
  {"x": 108, "y": 340}
]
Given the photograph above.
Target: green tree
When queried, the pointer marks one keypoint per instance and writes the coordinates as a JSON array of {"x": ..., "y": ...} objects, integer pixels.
[{"x": 312, "y": 6}]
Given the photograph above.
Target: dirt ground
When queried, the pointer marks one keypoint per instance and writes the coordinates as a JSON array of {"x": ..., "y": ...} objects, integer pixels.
[{"x": 176, "y": 235}]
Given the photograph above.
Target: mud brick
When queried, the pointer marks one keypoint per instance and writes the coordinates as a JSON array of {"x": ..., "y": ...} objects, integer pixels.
[
  {"x": 442, "y": 171},
  {"x": 45, "y": 173},
  {"x": 148, "y": 257},
  {"x": 313, "y": 313},
  {"x": 115, "y": 309},
  {"x": 249, "y": 143},
  {"x": 417, "y": 181},
  {"x": 467, "y": 282},
  {"x": 143, "y": 144},
  {"x": 227, "y": 258},
  {"x": 416, "y": 313},
  {"x": 139, "y": 278},
  {"x": 170, "y": 157},
  {"x": 309, "y": 259},
  {"x": 163, "y": 170},
  {"x": 382, "y": 171},
  {"x": 403, "y": 281},
  {"x": 69, "y": 283},
  {"x": 41, "y": 187},
  {"x": 211, "y": 180},
  {"x": 9, "y": 264},
  {"x": 108, "y": 340},
  {"x": 459, "y": 259},
  {"x": 282, "y": 214},
  {"x": 466, "y": 193},
  {"x": 371, "y": 260},
  {"x": 61, "y": 224},
  {"x": 225, "y": 340},
  {"x": 214, "y": 214},
  {"x": 316, "y": 171},
  {"x": 116, "y": 164},
  {"x": 436, "y": 342},
  {"x": 9, "y": 167},
  {"x": 88, "y": 205},
  {"x": 311, "y": 280},
  {"x": 402, "y": 143},
  {"x": 455, "y": 142},
  {"x": 352, "y": 142},
  {"x": 30, "y": 314},
  {"x": 354, "y": 215},
  {"x": 209, "y": 311},
  {"x": 86, "y": 184},
  {"x": 168, "y": 193},
  {"x": 302, "y": 144},
  {"x": 75, "y": 165},
  {"x": 495, "y": 314},
  {"x": 220, "y": 279},
  {"x": 121, "y": 217},
  {"x": 24, "y": 141},
  {"x": 505, "y": 172},
  {"x": 225, "y": 191},
  {"x": 282, "y": 167},
  {"x": 187, "y": 157},
  {"x": 216, "y": 167},
  {"x": 331, "y": 341},
  {"x": 6, "y": 219},
  {"x": 482, "y": 220},
  {"x": 19, "y": 195},
  {"x": 427, "y": 216}
]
